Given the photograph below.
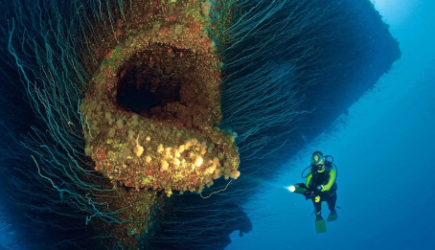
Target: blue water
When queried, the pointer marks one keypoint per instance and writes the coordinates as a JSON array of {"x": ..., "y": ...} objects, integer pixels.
[{"x": 384, "y": 149}]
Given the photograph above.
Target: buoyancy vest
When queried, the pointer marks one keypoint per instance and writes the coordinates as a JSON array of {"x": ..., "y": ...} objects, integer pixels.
[{"x": 323, "y": 177}]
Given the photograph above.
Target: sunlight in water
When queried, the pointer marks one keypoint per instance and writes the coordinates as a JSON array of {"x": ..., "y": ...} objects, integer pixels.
[{"x": 394, "y": 11}]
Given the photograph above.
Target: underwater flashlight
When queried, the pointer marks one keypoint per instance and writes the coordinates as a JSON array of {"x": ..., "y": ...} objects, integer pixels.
[{"x": 292, "y": 188}]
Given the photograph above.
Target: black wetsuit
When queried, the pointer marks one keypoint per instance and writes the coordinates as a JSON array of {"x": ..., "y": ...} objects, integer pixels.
[{"x": 318, "y": 179}]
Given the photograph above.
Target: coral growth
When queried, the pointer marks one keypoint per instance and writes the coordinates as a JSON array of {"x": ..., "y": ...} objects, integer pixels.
[
  {"x": 172, "y": 143},
  {"x": 122, "y": 101}
]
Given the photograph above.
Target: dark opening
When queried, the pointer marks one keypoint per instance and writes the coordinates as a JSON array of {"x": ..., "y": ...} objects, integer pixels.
[{"x": 148, "y": 80}]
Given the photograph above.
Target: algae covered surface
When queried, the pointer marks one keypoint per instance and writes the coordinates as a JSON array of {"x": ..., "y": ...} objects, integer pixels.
[
  {"x": 151, "y": 111},
  {"x": 175, "y": 144},
  {"x": 138, "y": 108}
]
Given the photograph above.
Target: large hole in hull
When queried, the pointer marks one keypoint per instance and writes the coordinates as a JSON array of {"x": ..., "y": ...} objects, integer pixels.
[
  {"x": 171, "y": 84},
  {"x": 151, "y": 79},
  {"x": 142, "y": 89}
]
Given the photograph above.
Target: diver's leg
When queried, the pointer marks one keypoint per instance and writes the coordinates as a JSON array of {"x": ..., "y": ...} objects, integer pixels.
[
  {"x": 318, "y": 208},
  {"x": 331, "y": 200},
  {"x": 319, "y": 223}
]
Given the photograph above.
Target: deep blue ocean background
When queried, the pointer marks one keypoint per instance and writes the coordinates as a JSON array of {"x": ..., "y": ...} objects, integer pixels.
[{"x": 384, "y": 149}]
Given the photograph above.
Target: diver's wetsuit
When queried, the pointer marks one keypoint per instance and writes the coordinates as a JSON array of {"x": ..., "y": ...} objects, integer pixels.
[{"x": 327, "y": 179}]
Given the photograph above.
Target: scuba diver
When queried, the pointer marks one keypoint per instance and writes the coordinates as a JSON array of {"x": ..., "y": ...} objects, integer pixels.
[{"x": 320, "y": 186}]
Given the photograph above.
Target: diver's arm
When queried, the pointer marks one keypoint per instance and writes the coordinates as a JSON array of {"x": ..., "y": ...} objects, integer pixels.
[
  {"x": 332, "y": 176},
  {"x": 307, "y": 182}
]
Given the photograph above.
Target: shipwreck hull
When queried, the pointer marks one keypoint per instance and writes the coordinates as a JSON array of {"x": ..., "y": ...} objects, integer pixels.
[{"x": 131, "y": 109}]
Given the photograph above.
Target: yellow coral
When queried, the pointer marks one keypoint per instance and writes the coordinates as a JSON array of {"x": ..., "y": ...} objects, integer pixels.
[
  {"x": 168, "y": 192},
  {"x": 210, "y": 170},
  {"x": 216, "y": 161},
  {"x": 198, "y": 162},
  {"x": 176, "y": 162},
  {"x": 235, "y": 174},
  {"x": 160, "y": 148},
  {"x": 203, "y": 150},
  {"x": 164, "y": 165},
  {"x": 168, "y": 151},
  {"x": 138, "y": 149}
]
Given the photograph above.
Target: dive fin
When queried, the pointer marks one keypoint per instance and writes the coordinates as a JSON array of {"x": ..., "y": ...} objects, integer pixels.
[
  {"x": 320, "y": 225},
  {"x": 332, "y": 216}
]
